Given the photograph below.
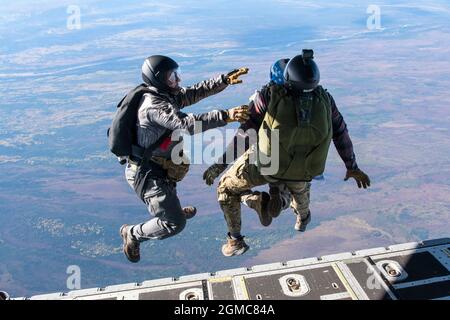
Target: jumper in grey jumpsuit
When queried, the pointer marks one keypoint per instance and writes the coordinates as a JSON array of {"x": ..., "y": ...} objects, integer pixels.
[{"x": 158, "y": 112}]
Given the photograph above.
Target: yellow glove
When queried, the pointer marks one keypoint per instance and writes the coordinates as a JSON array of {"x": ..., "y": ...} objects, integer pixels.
[{"x": 233, "y": 77}]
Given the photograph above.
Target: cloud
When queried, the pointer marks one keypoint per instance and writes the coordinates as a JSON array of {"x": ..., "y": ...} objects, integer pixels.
[
  {"x": 24, "y": 126},
  {"x": 36, "y": 58},
  {"x": 435, "y": 8},
  {"x": 57, "y": 228},
  {"x": 295, "y": 4},
  {"x": 18, "y": 140},
  {"x": 95, "y": 249},
  {"x": 9, "y": 159},
  {"x": 93, "y": 18}
]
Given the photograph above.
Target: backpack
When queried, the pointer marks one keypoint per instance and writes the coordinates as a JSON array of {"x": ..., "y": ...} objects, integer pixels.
[
  {"x": 122, "y": 135},
  {"x": 304, "y": 127}
]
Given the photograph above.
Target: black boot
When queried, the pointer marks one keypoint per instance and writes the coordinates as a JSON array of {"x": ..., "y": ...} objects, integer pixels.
[{"x": 190, "y": 212}]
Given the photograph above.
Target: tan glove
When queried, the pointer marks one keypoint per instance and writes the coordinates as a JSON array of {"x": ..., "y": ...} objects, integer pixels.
[
  {"x": 233, "y": 76},
  {"x": 240, "y": 114},
  {"x": 361, "y": 178}
]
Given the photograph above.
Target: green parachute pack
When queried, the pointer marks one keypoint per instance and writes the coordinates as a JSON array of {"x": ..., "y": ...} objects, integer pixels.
[{"x": 303, "y": 125}]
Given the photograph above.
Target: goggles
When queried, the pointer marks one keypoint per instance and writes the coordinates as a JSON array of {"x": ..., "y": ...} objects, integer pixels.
[{"x": 173, "y": 78}]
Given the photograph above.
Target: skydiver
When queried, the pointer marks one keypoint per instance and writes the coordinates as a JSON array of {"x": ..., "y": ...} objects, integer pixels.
[
  {"x": 279, "y": 197},
  {"x": 290, "y": 105},
  {"x": 154, "y": 176}
]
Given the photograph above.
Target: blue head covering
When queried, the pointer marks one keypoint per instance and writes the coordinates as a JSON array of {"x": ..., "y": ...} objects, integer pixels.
[{"x": 277, "y": 71}]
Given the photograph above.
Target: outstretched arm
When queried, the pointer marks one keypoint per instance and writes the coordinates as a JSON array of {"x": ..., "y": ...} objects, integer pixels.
[
  {"x": 191, "y": 95},
  {"x": 171, "y": 119},
  {"x": 344, "y": 147},
  {"x": 257, "y": 110},
  {"x": 341, "y": 138}
]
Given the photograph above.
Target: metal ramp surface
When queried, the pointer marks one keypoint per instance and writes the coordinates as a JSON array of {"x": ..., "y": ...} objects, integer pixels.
[{"x": 405, "y": 271}]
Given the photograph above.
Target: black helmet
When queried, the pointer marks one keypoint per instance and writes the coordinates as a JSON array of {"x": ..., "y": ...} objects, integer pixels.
[
  {"x": 155, "y": 72},
  {"x": 302, "y": 73}
]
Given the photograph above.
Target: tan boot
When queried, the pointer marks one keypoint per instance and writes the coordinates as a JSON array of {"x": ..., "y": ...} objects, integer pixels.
[
  {"x": 302, "y": 222},
  {"x": 259, "y": 202},
  {"x": 234, "y": 247},
  {"x": 130, "y": 246}
]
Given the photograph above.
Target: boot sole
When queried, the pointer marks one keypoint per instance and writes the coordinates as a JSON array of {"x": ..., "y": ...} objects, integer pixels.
[
  {"x": 190, "y": 216},
  {"x": 304, "y": 225},
  {"x": 265, "y": 210},
  {"x": 237, "y": 252},
  {"x": 276, "y": 214},
  {"x": 124, "y": 245}
]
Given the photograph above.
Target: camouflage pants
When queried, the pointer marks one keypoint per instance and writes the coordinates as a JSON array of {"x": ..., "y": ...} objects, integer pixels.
[{"x": 236, "y": 184}]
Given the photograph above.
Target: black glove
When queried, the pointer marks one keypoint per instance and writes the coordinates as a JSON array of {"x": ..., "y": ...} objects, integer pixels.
[
  {"x": 213, "y": 172},
  {"x": 361, "y": 178}
]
